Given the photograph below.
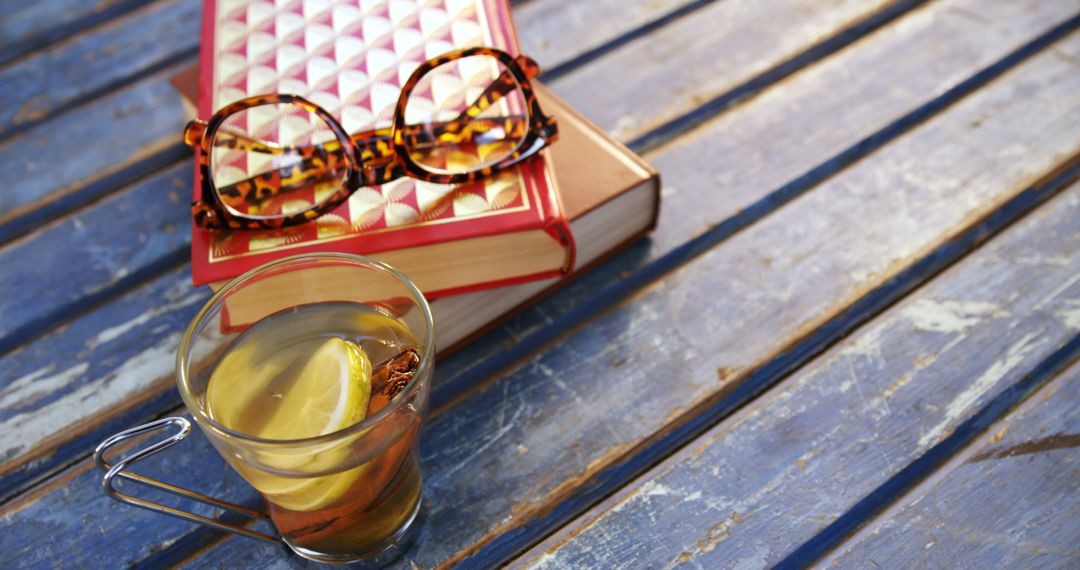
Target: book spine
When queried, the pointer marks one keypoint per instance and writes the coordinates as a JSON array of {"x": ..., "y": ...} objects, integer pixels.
[
  {"x": 205, "y": 100},
  {"x": 503, "y": 25}
]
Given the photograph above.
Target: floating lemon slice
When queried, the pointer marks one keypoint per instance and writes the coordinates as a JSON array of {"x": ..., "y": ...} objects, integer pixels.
[{"x": 330, "y": 392}]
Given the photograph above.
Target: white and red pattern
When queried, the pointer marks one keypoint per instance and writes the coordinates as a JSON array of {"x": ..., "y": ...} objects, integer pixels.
[{"x": 351, "y": 57}]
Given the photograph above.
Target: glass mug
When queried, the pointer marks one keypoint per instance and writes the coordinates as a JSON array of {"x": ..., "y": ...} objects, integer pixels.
[{"x": 348, "y": 488}]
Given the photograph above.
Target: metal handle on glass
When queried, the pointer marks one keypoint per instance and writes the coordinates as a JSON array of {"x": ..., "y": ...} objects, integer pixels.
[{"x": 117, "y": 470}]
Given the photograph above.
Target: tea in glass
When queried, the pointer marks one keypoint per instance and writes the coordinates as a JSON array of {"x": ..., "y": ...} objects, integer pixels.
[
  {"x": 311, "y": 375},
  {"x": 308, "y": 372}
]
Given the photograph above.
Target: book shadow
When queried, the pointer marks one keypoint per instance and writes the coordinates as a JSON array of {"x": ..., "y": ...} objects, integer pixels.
[{"x": 559, "y": 316}]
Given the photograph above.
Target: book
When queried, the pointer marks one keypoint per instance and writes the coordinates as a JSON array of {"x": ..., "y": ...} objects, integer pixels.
[
  {"x": 351, "y": 58},
  {"x": 611, "y": 196}
]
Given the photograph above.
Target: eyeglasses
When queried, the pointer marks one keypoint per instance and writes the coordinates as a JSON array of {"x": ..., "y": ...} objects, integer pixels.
[{"x": 270, "y": 161}]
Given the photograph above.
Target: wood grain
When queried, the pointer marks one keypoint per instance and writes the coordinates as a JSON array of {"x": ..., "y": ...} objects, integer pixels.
[
  {"x": 1009, "y": 500},
  {"x": 125, "y": 238},
  {"x": 89, "y": 64},
  {"x": 759, "y": 484},
  {"x": 513, "y": 459},
  {"x": 27, "y": 26},
  {"x": 68, "y": 390},
  {"x": 92, "y": 150}
]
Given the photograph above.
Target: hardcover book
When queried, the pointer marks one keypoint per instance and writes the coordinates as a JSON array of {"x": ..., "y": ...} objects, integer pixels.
[{"x": 351, "y": 57}]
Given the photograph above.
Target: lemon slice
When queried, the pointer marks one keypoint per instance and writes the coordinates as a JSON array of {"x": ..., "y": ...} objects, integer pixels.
[
  {"x": 238, "y": 383},
  {"x": 331, "y": 392},
  {"x": 287, "y": 397}
]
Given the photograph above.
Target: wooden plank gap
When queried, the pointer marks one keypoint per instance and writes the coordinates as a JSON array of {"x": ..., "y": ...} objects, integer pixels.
[
  {"x": 90, "y": 96},
  {"x": 193, "y": 543},
  {"x": 70, "y": 454},
  {"x": 89, "y": 65},
  {"x": 686, "y": 122},
  {"x": 51, "y": 319},
  {"x": 196, "y": 546},
  {"x": 619, "y": 41},
  {"x": 1006, "y": 500},
  {"x": 58, "y": 206},
  {"x": 909, "y": 477}
]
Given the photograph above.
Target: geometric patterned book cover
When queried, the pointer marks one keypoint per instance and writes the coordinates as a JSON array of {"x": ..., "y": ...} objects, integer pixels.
[{"x": 351, "y": 57}]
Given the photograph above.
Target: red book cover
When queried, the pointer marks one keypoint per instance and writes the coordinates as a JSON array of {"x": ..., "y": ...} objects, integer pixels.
[{"x": 351, "y": 57}]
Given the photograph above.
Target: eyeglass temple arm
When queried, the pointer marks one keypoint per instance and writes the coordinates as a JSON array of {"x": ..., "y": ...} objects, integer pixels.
[
  {"x": 366, "y": 140},
  {"x": 118, "y": 470}
]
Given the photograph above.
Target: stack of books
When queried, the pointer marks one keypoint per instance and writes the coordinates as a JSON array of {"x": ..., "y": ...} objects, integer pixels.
[{"x": 479, "y": 252}]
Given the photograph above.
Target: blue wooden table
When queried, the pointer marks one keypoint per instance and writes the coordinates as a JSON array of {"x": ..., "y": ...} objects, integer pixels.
[{"x": 851, "y": 341}]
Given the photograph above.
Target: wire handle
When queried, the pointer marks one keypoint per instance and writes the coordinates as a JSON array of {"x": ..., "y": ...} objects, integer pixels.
[{"x": 117, "y": 470}]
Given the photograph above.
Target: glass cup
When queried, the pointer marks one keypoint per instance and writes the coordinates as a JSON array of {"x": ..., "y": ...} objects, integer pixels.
[{"x": 343, "y": 496}]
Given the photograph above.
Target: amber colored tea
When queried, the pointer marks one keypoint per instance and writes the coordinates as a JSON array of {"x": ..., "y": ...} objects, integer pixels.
[{"x": 311, "y": 371}]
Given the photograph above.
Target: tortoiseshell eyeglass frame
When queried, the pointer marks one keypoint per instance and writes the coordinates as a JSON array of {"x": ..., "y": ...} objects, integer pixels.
[{"x": 373, "y": 157}]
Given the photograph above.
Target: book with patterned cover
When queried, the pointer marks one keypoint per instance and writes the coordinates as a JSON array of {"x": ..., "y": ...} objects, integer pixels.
[{"x": 351, "y": 57}]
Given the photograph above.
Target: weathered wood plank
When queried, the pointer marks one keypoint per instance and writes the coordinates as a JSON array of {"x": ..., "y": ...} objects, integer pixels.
[
  {"x": 733, "y": 39},
  {"x": 458, "y": 373},
  {"x": 1008, "y": 501},
  {"x": 758, "y": 485},
  {"x": 527, "y": 453},
  {"x": 106, "y": 371},
  {"x": 124, "y": 239},
  {"x": 81, "y": 155},
  {"x": 27, "y": 26},
  {"x": 918, "y": 470},
  {"x": 90, "y": 64},
  {"x": 842, "y": 132}
]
